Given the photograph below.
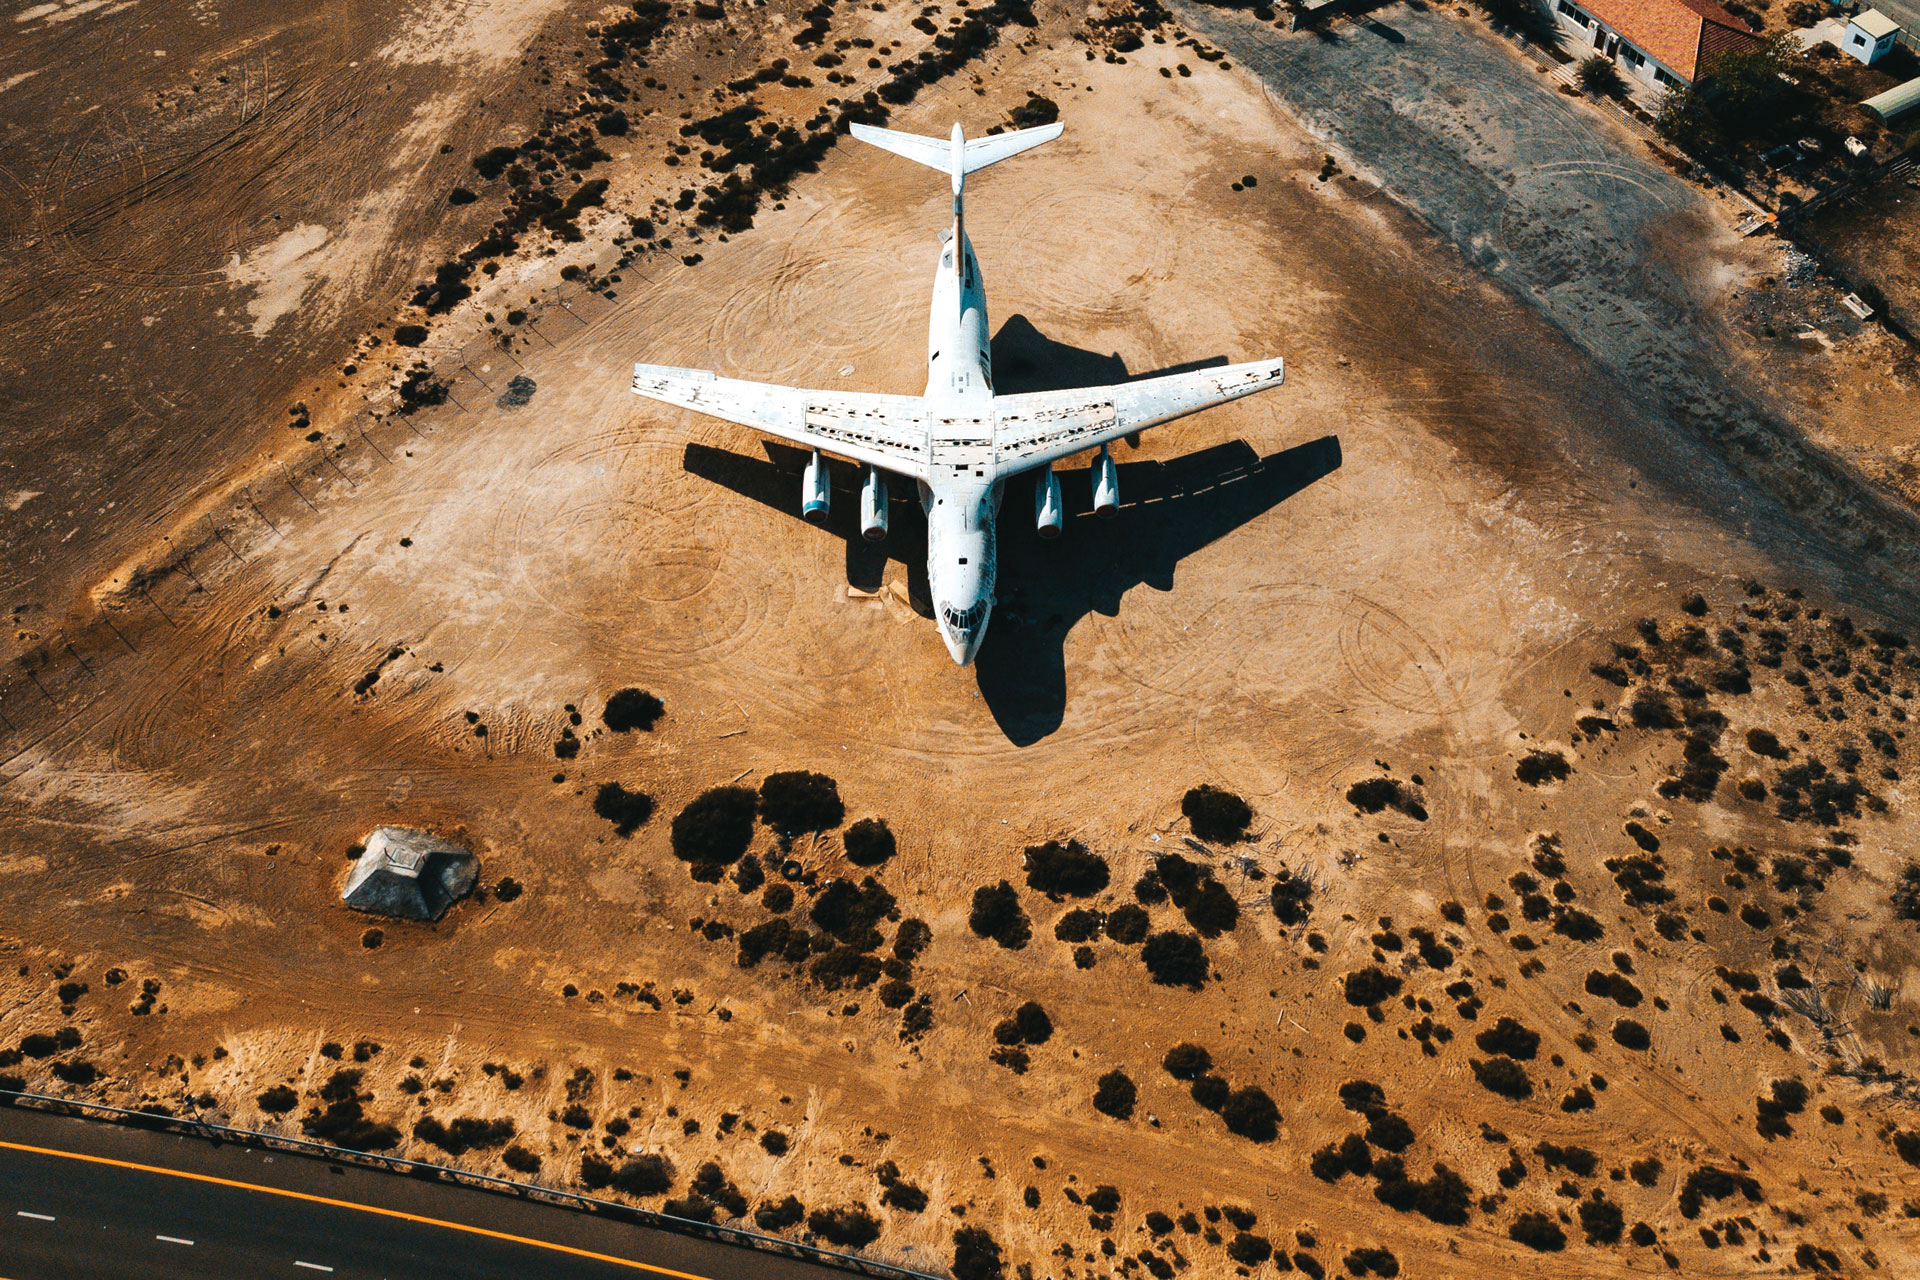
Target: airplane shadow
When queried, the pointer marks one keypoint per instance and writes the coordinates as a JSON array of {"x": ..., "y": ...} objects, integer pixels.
[{"x": 1169, "y": 511}]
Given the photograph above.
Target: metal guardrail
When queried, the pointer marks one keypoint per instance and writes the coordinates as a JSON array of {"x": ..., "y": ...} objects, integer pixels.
[{"x": 740, "y": 1236}]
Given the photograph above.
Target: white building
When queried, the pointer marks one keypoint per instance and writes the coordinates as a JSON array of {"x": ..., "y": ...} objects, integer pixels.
[
  {"x": 1658, "y": 42},
  {"x": 1870, "y": 35}
]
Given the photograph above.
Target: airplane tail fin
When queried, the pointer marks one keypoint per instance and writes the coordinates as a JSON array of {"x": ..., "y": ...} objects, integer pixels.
[{"x": 974, "y": 153}]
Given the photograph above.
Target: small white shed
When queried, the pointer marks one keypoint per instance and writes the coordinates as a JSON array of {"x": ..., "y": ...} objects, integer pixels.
[{"x": 1869, "y": 35}]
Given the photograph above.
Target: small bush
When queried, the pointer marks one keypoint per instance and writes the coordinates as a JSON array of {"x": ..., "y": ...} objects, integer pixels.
[
  {"x": 716, "y": 826},
  {"x": 997, "y": 914},
  {"x": 910, "y": 939},
  {"x": 849, "y": 1227},
  {"x": 278, "y": 1100},
  {"x": 1537, "y": 768},
  {"x": 1616, "y": 987},
  {"x": 1187, "y": 1061},
  {"x": 905, "y": 1196},
  {"x": 464, "y": 1134},
  {"x": 1248, "y": 1249},
  {"x": 1070, "y": 870},
  {"x": 868, "y": 843},
  {"x": 494, "y": 161},
  {"x": 649, "y": 1175},
  {"x": 1034, "y": 1025},
  {"x": 1503, "y": 1076},
  {"x": 1115, "y": 1095},
  {"x": 628, "y": 811},
  {"x": 410, "y": 335},
  {"x": 1601, "y": 1221},
  {"x": 1538, "y": 1232},
  {"x": 1508, "y": 1037},
  {"x": 1211, "y": 910},
  {"x": 1216, "y": 816},
  {"x": 1598, "y": 75},
  {"x": 1370, "y": 986},
  {"x": 1371, "y": 795},
  {"x": 1175, "y": 960},
  {"x": 780, "y": 1216},
  {"x": 1079, "y": 925},
  {"x": 797, "y": 801},
  {"x": 1251, "y": 1114},
  {"x": 1708, "y": 1183},
  {"x": 1128, "y": 924},
  {"x": 1389, "y": 1131},
  {"x": 1292, "y": 898},
  {"x": 520, "y": 1160},
  {"x": 1374, "y": 1262},
  {"x": 976, "y": 1255},
  {"x": 1631, "y": 1035},
  {"x": 1210, "y": 1091},
  {"x": 631, "y": 709}
]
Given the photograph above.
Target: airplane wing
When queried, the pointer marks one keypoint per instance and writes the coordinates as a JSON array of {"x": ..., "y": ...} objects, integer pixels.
[
  {"x": 1034, "y": 429},
  {"x": 887, "y": 431}
]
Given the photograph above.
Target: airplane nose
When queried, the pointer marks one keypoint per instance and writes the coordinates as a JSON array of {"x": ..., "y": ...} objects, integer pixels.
[{"x": 962, "y": 645}]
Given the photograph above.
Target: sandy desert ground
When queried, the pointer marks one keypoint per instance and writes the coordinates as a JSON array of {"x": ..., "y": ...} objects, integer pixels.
[{"x": 1575, "y": 752}]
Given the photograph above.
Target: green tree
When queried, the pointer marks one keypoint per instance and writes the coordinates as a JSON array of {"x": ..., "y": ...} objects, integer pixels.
[
  {"x": 1746, "y": 83},
  {"x": 1684, "y": 120},
  {"x": 1598, "y": 75}
]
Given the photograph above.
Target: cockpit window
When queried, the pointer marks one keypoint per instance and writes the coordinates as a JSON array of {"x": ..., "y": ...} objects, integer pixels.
[{"x": 965, "y": 619}]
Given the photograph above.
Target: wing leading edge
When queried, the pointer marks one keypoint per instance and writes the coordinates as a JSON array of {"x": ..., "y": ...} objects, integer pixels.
[
  {"x": 887, "y": 431},
  {"x": 1040, "y": 427}
]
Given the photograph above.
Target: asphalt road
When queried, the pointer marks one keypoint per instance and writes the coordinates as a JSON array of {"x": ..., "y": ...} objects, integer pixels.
[{"x": 79, "y": 1199}]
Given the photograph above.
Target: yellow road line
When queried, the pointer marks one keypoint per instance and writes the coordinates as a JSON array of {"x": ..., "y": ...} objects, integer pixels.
[{"x": 363, "y": 1208}]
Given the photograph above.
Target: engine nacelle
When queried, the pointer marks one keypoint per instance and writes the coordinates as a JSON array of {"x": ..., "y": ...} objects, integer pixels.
[
  {"x": 873, "y": 506},
  {"x": 1046, "y": 504},
  {"x": 815, "y": 494},
  {"x": 1106, "y": 485}
]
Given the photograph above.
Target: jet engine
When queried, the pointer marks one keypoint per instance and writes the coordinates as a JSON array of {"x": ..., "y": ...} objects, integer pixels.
[
  {"x": 1046, "y": 504},
  {"x": 815, "y": 495},
  {"x": 873, "y": 506},
  {"x": 1106, "y": 485}
]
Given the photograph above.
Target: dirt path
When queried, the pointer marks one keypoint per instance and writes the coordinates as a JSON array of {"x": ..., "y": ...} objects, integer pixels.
[{"x": 1571, "y": 212}]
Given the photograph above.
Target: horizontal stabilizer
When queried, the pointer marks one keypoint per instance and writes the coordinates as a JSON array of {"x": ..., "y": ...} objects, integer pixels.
[{"x": 975, "y": 153}]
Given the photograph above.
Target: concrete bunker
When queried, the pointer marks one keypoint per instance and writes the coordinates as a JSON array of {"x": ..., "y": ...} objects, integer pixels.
[{"x": 410, "y": 875}]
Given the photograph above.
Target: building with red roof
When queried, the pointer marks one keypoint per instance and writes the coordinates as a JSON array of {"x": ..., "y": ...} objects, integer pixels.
[{"x": 1661, "y": 42}]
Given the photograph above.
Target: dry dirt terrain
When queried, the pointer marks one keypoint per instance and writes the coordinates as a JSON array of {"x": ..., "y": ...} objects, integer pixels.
[{"x": 1568, "y": 928}]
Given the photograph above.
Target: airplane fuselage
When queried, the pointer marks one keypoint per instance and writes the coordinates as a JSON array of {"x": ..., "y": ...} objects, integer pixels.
[
  {"x": 958, "y": 440},
  {"x": 962, "y": 497}
]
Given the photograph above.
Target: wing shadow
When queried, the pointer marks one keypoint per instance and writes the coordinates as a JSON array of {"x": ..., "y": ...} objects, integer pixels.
[
  {"x": 1024, "y": 359},
  {"x": 774, "y": 481},
  {"x": 1169, "y": 511}
]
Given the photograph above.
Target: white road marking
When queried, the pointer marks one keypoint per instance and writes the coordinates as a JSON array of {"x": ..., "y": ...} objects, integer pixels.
[
  {"x": 312, "y": 1266},
  {"x": 37, "y": 1217},
  {"x": 173, "y": 1240}
]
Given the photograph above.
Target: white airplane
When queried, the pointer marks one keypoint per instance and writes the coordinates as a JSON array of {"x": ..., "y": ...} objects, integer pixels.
[{"x": 958, "y": 440}]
